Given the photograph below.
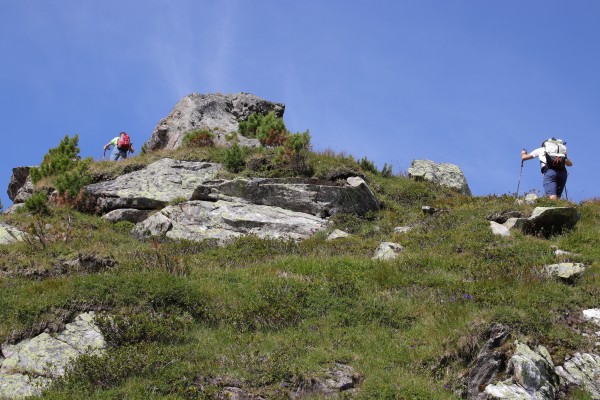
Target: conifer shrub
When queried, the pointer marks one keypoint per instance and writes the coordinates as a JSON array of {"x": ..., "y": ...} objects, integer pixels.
[
  {"x": 59, "y": 159},
  {"x": 234, "y": 158},
  {"x": 269, "y": 129},
  {"x": 367, "y": 165},
  {"x": 199, "y": 138},
  {"x": 37, "y": 204},
  {"x": 69, "y": 183},
  {"x": 293, "y": 155}
]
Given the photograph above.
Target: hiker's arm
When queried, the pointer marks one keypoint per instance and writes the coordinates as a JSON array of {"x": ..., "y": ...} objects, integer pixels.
[
  {"x": 107, "y": 145},
  {"x": 525, "y": 156},
  {"x": 568, "y": 162}
]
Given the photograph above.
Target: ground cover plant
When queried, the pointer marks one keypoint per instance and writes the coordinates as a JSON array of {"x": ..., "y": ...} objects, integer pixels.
[{"x": 184, "y": 319}]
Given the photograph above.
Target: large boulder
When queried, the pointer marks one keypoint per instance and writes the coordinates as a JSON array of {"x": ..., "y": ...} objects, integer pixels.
[
  {"x": 221, "y": 112},
  {"x": 444, "y": 174},
  {"x": 154, "y": 186},
  {"x": 20, "y": 186},
  {"x": 322, "y": 198},
  {"x": 548, "y": 221},
  {"x": 582, "y": 370},
  {"x": 225, "y": 220},
  {"x": 10, "y": 234}
]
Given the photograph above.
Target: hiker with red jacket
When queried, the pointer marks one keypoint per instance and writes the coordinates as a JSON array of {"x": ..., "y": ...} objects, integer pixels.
[{"x": 122, "y": 145}]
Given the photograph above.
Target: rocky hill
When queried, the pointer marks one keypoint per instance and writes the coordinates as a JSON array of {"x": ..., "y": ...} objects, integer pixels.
[{"x": 300, "y": 274}]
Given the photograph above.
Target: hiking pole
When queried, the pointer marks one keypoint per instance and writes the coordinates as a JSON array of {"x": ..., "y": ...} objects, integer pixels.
[
  {"x": 566, "y": 193},
  {"x": 520, "y": 174}
]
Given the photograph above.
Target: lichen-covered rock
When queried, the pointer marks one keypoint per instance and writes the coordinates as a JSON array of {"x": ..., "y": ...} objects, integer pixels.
[
  {"x": 488, "y": 362},
  {"x": 154, "y": 186},
  {"x": 582, "y": 370},
  {"x": 565, "y": 271},
  {"x": 444, "y": 174},
  {"x": 223, "y": 220},
  {"x": 18, "y": 386},
  {"x": 337, "y": 234},
  {"x": 221, "y": 112},
  {"x": 10, "y": 234},
  {"x": 551, "y": 220},
  {"x": 534, "y": 370},
  {"x": 30, "y": 365},
  {"x": 507, "y": 391},
  {"x": 592, "y": 315},
  {"x": 387, "y": 251},
  {"x": 310, "y": 196}
]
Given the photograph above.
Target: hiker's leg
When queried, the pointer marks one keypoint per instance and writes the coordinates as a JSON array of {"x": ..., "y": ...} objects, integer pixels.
[
  {"x": 114, "y": 154},
  {"x": 550, "y": 183},
  {"x": 561, "y": 182}
]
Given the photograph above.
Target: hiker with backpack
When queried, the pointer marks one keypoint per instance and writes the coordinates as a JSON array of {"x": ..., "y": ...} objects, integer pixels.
[
  {"x": 122, "y": 145},
  {"x": 553, "y": 162}
]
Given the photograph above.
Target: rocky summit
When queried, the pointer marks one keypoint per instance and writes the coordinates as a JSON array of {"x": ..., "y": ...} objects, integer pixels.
[{"x": 219, "y": 112}]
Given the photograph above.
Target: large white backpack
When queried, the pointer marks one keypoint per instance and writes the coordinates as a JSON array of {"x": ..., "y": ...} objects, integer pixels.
[{"x": 555, "y": 153}]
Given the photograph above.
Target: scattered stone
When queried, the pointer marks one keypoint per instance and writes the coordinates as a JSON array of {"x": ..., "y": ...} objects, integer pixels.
[
  {"x": 551, "y": 220},
  {"x": 592, "y": 315},
  {"x": 338, "y": 380},
  {"x": 428, "y": 210},
  {"x": 565, "y": 271},
  {"x": 582, "y": 370},
  {"x": 529, "y": 198},
  {"x": 387, "y": 251},
  {"x": 403, "y": 229},
  {"x": 503, "y": 216},
  {"x": 444, "y": 174},
  {"x": 311, "y": 196},
  {"x": 235, "y": 393},
  {"x": 126, "y": 214},
  {"x": 86, "y": 263},
  {"x": 153, "y": 187},
  {"x": 489, "y": 361},
  {"x": 219, "y": 112},
  {"x": 499, "y": 229},
  {"x": 222, "y": 220},
  {"x": 14, "y": 208},
  {"x": 336, "y": 234},
  {"x": 514, "y": 223},
  {"x": 10, "y": 234}
]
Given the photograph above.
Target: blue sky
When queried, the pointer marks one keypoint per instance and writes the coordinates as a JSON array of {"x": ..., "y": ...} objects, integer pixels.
[{"x": 469, "y": 82}]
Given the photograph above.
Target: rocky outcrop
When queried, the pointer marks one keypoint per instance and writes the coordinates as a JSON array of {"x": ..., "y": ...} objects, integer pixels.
[
  {"x": 225, "y": 220},
  {"x": 582, "y": 370},
  {"x": 488, "y": 363},
  {"x": 387, "y": 251},
  {"x": 154, "y": 186},
  {"x": 444, "y": 174},
  {"x": 311, "y": 196},
  {"x": 533, "y": 376},
  {"x": 126, "y": 214},
  {"x": 592, "y": 315},
  {"x": 221, "y": 112},
  {"x": 30, "y": 365},
  {"x": 20, "y": 186},
  {"x": 10, "y": 234}
]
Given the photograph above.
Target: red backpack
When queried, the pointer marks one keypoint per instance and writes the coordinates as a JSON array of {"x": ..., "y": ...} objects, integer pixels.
[{"x": 124, "y": 143}]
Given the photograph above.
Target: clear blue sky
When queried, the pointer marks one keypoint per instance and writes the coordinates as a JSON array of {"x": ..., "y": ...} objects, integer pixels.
[{"x": 469, "y": 82}]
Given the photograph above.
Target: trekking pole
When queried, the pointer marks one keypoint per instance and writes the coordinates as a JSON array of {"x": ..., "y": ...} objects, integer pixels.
[
  {"x": 520, "y": 174},
  {"x": 566, "y": 193}
]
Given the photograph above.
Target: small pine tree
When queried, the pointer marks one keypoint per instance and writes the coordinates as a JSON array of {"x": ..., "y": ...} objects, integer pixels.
[
  {"x": 58, "y": 160},
  {"x": 269, "y": 129},
  {"x": 234, "y": 158},
  {"x": 70, "y": 183},
  {"x": 37, "y": 204},
  {"x": 386, "y": 170}
]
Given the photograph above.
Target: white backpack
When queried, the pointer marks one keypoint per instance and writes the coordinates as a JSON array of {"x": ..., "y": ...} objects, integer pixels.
[{"x": 555, "y": 153}]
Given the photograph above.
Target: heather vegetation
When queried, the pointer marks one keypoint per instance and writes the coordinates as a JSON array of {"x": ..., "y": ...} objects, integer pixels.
[{"x": 182, "y": 319}]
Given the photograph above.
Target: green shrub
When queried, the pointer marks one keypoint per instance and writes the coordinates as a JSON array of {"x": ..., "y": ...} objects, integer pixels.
[
  {"x": 199, "y": 138},
  {"x": 269, "y": 129},
  {"x": 367, "y": 165},
  {"x": 234, "y": 158},
  {"x": 293, "y": 155},
  {"x": 59, "y": 159},
  {"x": 38, "y": 204},
  {"x": 69, "y": 183},
  {"x": 386, "y": 170}
]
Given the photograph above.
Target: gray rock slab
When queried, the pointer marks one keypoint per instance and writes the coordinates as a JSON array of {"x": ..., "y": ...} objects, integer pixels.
[
  {"x": 551, "y": 220},
  {"x": 222, "y": 220},
  {"x": 515, "y": 223},
  {"x": 311, "y": 196},
  {"x": 566, "y": 271},
  {"x": 154, "y": 186},
  {"x": 507, "y": 391},
  {"x": 444, "y": 174},
  {"x": 20, "y": 186},
  {"x": 387, "y": 251},
  {"x": 221, "y": 112},
  {"x": 403, "y": 229},
  {"x": 10, "y": 234},
  {"x": 534, "y": 370},
  {"x": 582, "y": 370},
  {"x": 126, "y": 214},
  {"x": 83, "y": 335}
]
